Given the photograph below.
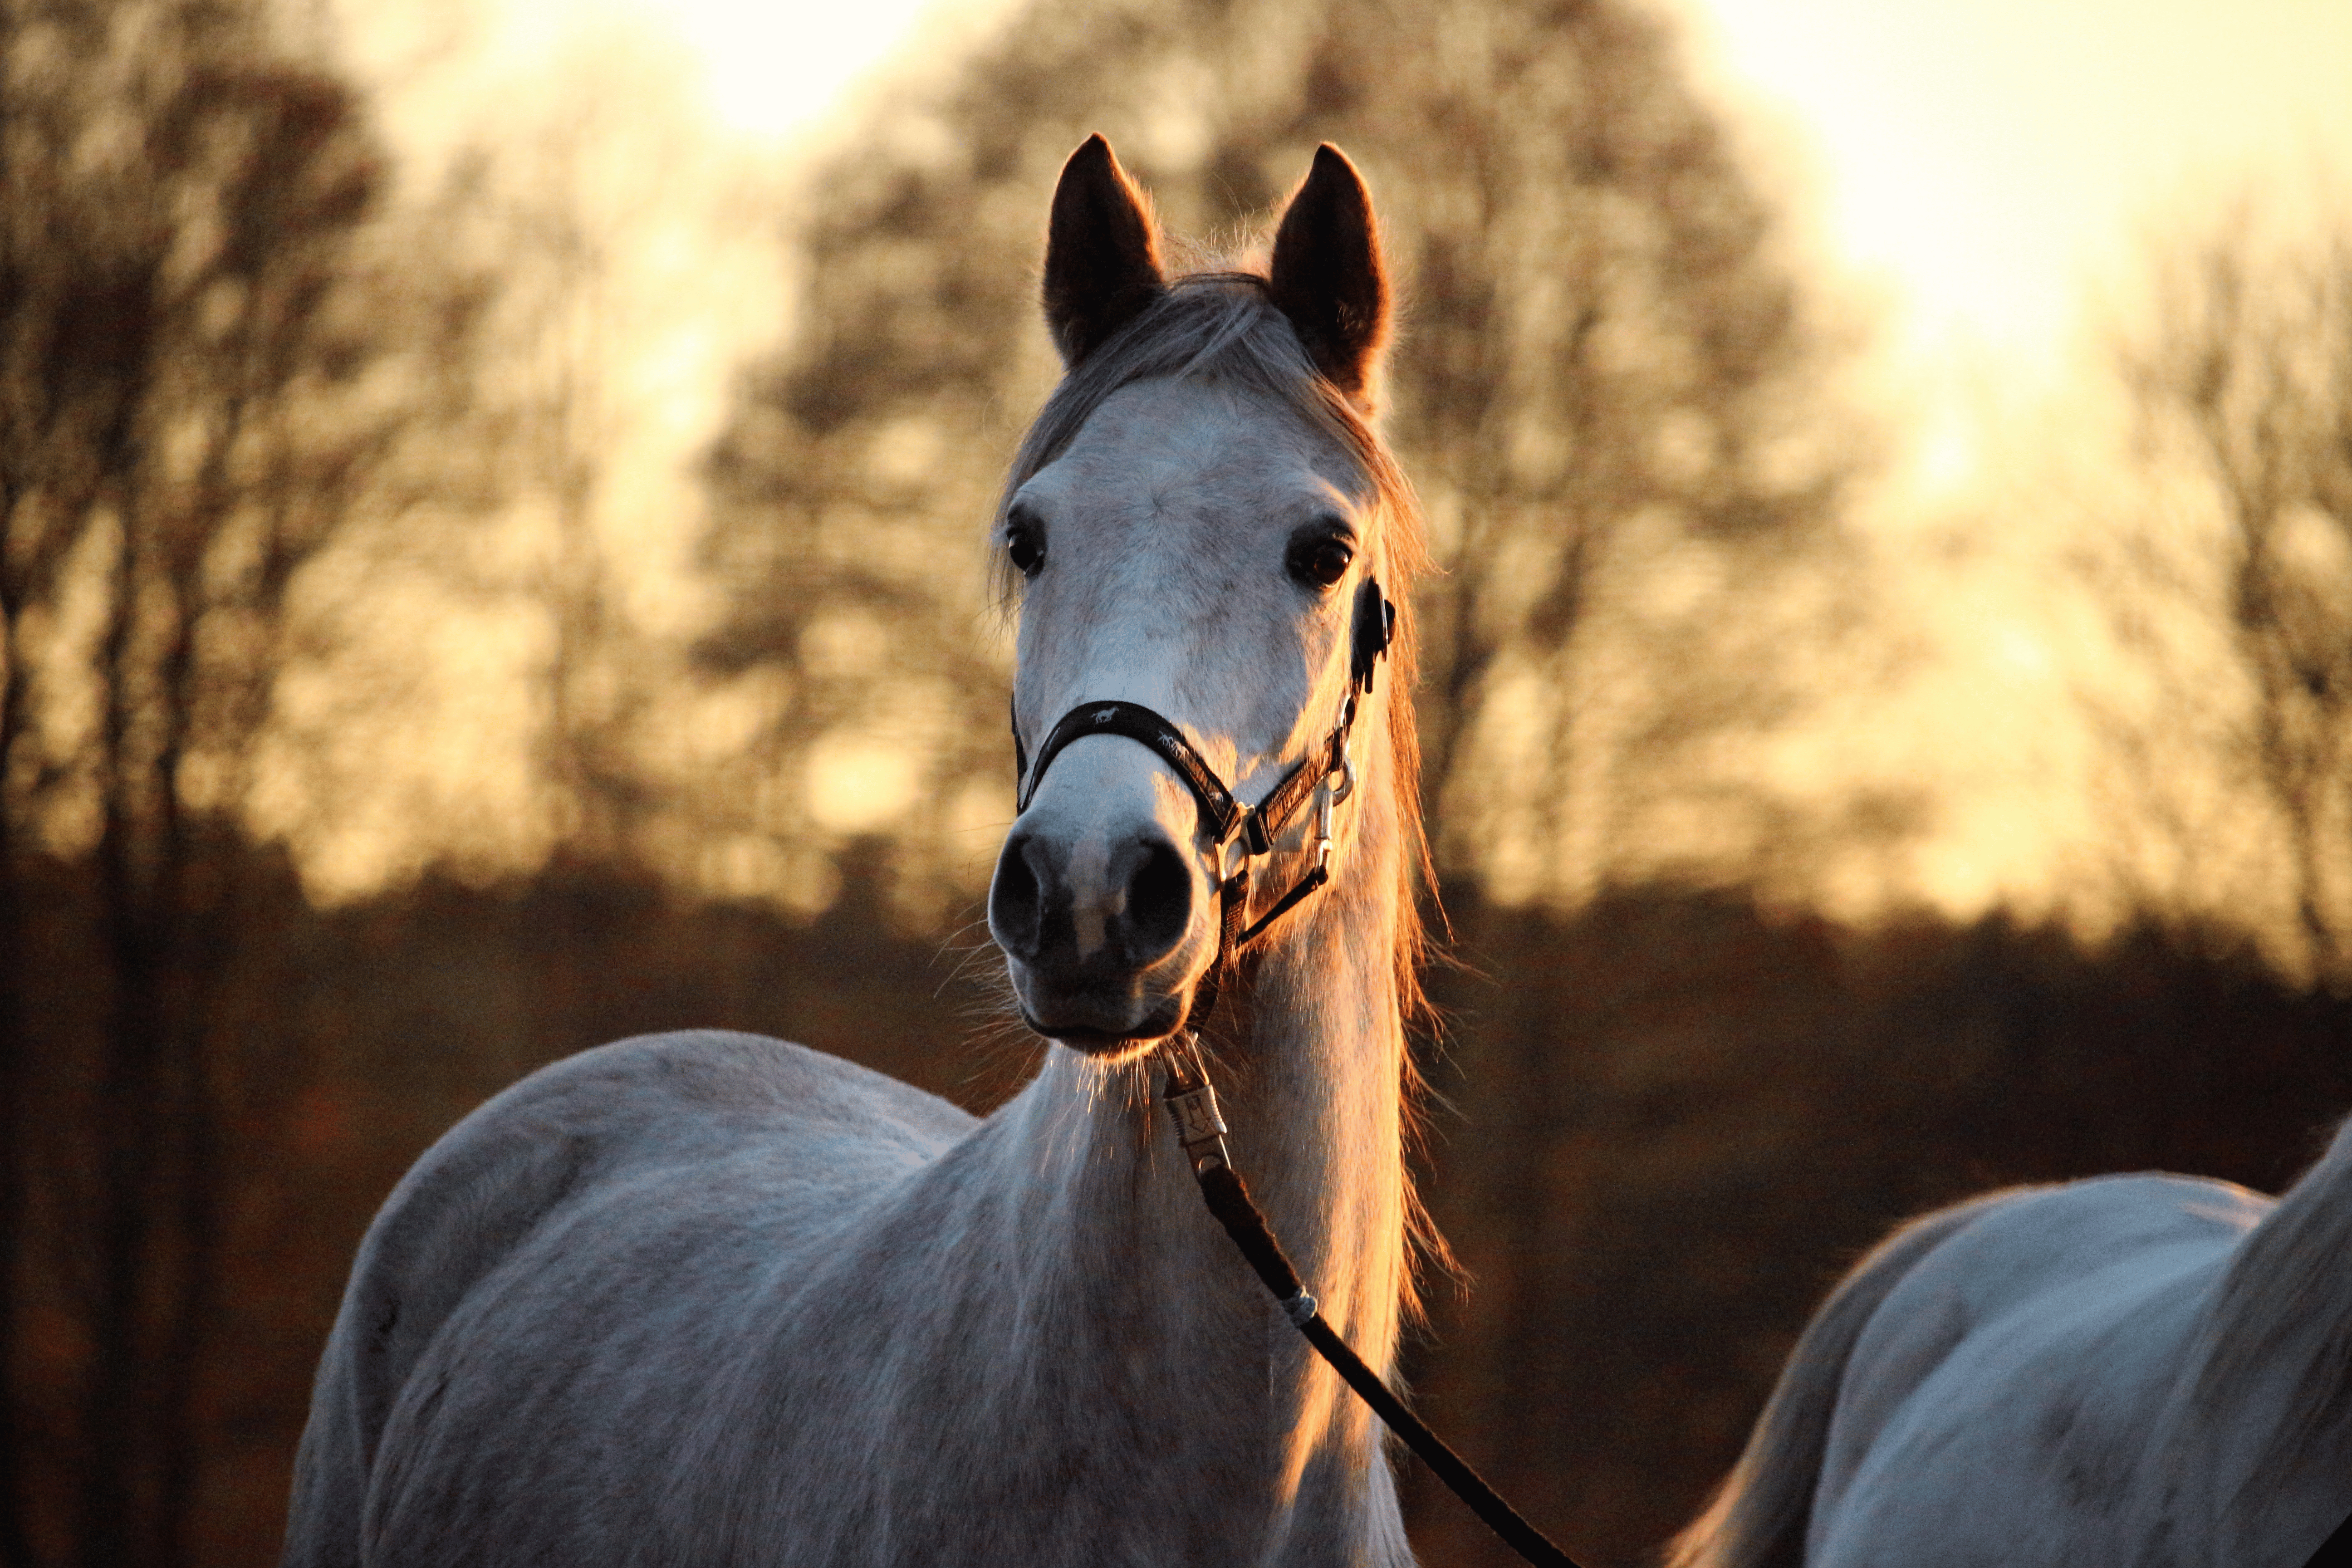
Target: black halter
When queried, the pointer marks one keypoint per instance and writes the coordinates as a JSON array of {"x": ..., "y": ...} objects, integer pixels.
[{"x": 1222, "y": 818}]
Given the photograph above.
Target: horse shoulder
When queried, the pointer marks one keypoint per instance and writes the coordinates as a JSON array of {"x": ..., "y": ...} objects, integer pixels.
[{"x": 536, "y": 1151}]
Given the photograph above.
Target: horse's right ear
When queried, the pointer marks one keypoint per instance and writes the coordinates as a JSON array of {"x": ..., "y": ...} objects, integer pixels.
[
  {"x": 1102, "y": 256},
  {"x": 1328, "y": 276}
]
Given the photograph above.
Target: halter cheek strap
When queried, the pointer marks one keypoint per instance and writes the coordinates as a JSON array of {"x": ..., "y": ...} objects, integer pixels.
[{"x": 1223, "y": 817}]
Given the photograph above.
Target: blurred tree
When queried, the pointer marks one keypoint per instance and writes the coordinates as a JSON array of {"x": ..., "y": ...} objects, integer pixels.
[
  {"x": 565, "y": 424},
  {"x": 568, "y": 199},
  {"x": 2248, "y": 369},
  {"x": 210, "y": 360},
  {"x": 1607, "y": 370}
]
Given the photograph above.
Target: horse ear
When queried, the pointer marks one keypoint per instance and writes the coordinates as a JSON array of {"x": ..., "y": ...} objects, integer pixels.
[
  {"x": 1328, "y": 276},
  {"x": 1102, "y": 258}
]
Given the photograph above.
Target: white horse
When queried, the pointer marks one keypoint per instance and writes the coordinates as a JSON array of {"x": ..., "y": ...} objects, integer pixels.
[
  {"x": 2141, "y": 1371},
  {"x": 709, "y": 1298}
]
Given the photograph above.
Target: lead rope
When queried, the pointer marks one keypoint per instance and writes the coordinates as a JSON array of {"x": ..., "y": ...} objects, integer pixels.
[{"x": 1192, "y": 1103}]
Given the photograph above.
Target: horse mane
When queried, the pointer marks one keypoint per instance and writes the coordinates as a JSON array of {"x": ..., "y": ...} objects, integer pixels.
[
  {"x": 2282, "y": 1314},
  {"x": 1221, "y": 324}
]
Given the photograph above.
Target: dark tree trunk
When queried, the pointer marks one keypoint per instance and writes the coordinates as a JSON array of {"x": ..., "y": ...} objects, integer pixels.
[{"x": 16, "y": 1545}]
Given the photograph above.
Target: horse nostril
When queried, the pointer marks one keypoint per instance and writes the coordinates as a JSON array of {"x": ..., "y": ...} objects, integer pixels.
[
  {"x": 1014, "y": 902},
  {"x": 1159, "y": 903}
]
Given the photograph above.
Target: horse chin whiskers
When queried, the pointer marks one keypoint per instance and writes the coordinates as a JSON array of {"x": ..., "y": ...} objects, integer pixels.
[
  {"x": 1109, "y": 1053},
  {"x": 1149, "y": 1024}
]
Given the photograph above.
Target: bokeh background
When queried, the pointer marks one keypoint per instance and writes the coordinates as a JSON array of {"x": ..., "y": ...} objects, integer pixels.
[{"x": 491, "y": 507}]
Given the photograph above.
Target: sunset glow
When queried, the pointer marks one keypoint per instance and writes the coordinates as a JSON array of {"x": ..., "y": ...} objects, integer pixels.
[
  {"x": 1982, "y": 170},
  {"x": 1971, "y": 185},
  {"x": 1992, "y": 157},
  {"x": 772, "y": 70}
]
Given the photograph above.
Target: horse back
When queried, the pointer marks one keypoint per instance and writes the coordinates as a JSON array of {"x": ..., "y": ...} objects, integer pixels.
[{"x": 658, "y": 1110}]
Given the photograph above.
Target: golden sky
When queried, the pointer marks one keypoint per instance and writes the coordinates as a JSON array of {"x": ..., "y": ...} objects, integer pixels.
[
  {"x": 1979, "y": 174},
  {"x": 1981, "y": 169},
  {"x": 1985, "y": 159},
  {"x": 1990, "y": 157}
]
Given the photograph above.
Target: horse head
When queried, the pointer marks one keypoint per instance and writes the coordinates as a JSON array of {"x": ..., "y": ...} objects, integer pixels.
[{"x": 1196, "y": 530}]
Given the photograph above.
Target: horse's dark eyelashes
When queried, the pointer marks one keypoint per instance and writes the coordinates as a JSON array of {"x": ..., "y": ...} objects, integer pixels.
[{"x": 1024, "y": 542}]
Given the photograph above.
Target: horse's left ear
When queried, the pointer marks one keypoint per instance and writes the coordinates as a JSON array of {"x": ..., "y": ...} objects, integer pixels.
[{"x": 1328, "y": 276}]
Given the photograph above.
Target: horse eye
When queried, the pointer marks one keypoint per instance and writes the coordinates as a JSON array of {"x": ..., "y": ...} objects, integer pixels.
[
  {"x": 1321, "y": 560},
  {"x": 1025, "y": 546}
]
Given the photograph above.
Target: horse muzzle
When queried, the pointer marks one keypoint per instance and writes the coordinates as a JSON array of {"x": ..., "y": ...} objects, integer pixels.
[{"x": 1100, "y": 935}]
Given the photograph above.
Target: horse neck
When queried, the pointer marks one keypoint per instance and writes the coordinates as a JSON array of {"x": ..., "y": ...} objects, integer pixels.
[
  {"x": 1308, "y": 1070},
  {"x": 1316, "y": 1101}
]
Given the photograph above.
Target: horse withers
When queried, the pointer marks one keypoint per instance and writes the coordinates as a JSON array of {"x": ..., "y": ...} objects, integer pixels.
[
  {"x": 710, "y": 1299},
  {"x": 2128, "y": 1371}
]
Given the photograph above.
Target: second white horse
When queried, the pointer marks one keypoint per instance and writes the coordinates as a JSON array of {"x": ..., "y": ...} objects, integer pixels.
[{"x": 2130, "y": 1371}]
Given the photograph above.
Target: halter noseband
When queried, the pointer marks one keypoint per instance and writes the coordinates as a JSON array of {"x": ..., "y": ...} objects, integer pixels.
[{"x": 1223, "y": 819}]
